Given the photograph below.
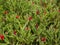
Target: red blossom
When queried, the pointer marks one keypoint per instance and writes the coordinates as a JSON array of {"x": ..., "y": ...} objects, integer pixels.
[
  {"x": 17, "y": 16},
  {"x": 5, "y": 12},
  {"x": 15, "y": 32},
  {"x": 1, "y": 37},
  {"x": 43, "y": 39},
  {"x": 30, "y": 18},
  {"x": 37, "y": 12}
]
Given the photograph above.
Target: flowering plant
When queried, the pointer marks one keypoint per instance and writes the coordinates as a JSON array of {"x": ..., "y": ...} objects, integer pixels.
[{"x": 29, "y": 22}]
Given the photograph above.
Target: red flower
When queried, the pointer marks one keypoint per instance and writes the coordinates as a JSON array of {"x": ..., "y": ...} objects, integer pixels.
[
  {"x": 17, "y": 16},
  {"x": 15, "y": 32},
  {"x": 5, "y": 12},
  {"x": 36, "y": 26},
  {"x": 37, "y": 12},
  {"x": 2, "y": 37},
  {"x": 43, "y": 39},
  {"x": 30, "y": 18}
]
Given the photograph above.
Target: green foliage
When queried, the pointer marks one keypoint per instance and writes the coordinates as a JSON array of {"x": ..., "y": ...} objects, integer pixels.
[{"x": 44, "y": 22}]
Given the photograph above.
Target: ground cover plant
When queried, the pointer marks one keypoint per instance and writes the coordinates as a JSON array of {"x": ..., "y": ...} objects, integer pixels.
[{"x": 29, "y": 22}]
